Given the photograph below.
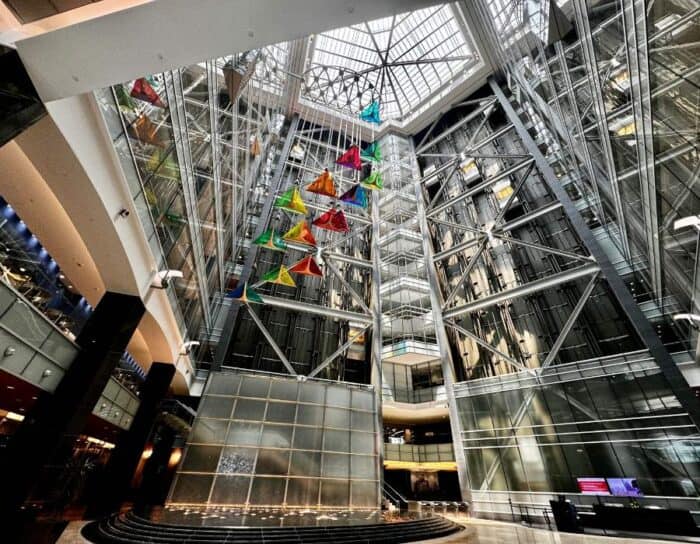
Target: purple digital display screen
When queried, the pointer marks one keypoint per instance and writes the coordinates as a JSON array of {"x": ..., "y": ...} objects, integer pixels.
[{"x": 624, "y": 487}]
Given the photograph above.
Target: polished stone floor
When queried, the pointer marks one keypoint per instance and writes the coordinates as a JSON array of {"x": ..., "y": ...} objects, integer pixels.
[{"x": 478, "y": 532}]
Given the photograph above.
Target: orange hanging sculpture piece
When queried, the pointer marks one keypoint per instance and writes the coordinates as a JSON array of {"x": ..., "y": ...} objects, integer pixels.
[
  {"x": 333, "y": 219},
  {"x": 351, "y": 158},
  {"x": 307, "y": 267},
  {"x": 255, "y": 148},
  {"x": 300, "y": 233},
  {"x": 323, "y": 185},
  {"x": 143, "y": 91}
]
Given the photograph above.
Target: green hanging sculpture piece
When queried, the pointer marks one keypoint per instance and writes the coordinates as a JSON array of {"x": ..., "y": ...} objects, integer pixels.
[
  {"x": 373, "y": 181},
  {"x": 372, "y": 153},
  {"x": 270, "y": 240},
  {"x": 291, "y": 201}
]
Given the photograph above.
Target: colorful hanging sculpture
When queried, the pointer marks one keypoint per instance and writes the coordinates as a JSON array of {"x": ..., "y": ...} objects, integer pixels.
[
  {"x": 373, "y": 181},
  {"x": 244, "y": 294},
  {"x": 143, "y": 91},
  {"x": 291, "y": 201},
  {"x": 356, "y": 196},
  {"x": 270, "y": 240},
  {"x": 145, "y": 131},
  {"x": 255, "y": 148},
  {"x": 333, "y": 219},
  {"x": 124, "y": 99},
  {"x": 300, "y": 233},
  {"x": 163, "y": 165},
  {"x": 280, "y": 276},
  {"x": 307, "y": 267},
  {"x": 372, "y": 152},
  {"x": 323, "y": 185},
  {"x": 351, "y": 158},
  {"x": 371, "y": 113}
]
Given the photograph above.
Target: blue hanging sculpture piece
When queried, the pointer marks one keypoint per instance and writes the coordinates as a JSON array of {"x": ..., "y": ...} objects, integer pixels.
[{"x": 371, "y": 113}]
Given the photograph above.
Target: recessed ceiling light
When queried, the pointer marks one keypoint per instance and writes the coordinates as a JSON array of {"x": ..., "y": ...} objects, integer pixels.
[{"x": 22, "y": 269}]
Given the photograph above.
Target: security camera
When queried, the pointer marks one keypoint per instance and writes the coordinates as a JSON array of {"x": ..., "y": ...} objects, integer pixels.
[
  {"x": 124, "y": 213},
  {"x": 161, "y": 279}
]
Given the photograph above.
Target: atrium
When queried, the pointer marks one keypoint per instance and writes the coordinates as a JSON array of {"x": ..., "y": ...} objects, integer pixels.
[{"x": 349, "y": 271}]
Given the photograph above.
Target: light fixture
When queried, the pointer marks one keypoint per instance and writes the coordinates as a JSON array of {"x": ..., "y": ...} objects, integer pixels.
[
  {"x": 686, "y": 222},
  {"x": 161, "y": 279}
]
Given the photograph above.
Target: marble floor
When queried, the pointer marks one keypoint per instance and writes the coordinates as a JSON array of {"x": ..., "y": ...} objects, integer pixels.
[{"x": 477, "y": 532}]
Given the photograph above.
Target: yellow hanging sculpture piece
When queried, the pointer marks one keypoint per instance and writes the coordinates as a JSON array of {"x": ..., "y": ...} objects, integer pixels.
[
  {"x": 323, "y": 185},
  {"x": 300, "y": 233},
  {"x": 291, "y": 201},
  {"x": 280, "y": 276}
]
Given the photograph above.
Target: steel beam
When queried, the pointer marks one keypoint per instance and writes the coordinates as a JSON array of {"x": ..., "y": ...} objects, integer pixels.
[
  {"x": 376, "y": 320},
  {"x": 478, "y": 188},
  {"x": 295, "y": 305},
  {"x": 337, "y": 352},
  {"x": 347, "y": 259},
  {"x": 523, "y": 290},
  {"x": 270, "y": 339},
  {"x": 507, "y": 358},
  {"x": 635, "y": 29},
  {"x": 446, "y": 361},
  {"x": 645, "y": 331},
  {"x": 571, "y": 320},
  {"x": 589, "y": 58},
  {"x": 347, "y": 286}
]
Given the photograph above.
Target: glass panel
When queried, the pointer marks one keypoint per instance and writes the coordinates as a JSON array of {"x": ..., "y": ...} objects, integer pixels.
[
  {"x": 363, "y": 466},
  {"x": 278, "y": 436},
  {"x": 209, "y": 431},
  {"x": 191, "y": 488},
  {"x": 362, "y": 400},
  {"x": 309, "y": 415},
  {"x": 338, "y": 396},
  {"x": 284, "y": 390},
  {"x": 337, "y": 418},
  {"x": 308, "y": 438},
  {"x": 223, "y": 384},
  {"x": 272, "y": 462},
  {"x": 312, "y": 392},
  {"x": 249, "y": 409},
  {"x": 336, "y": 465},
  {"x": 215, "y": 407},
  {"x": 237, "y": 461},
  {"x": 364, "y": 494},
  {"x": 267, "y": 491},
  {"x": 305, "y": 463},
  {"x": 254, "y": 387},
  {"x": 230, "y": 490},
  {"x": 201, "y": 459},
  {"x": 362, "y": 421},
  {"x": 281, "y": 411},
  {"x": 336, "y": 441},
  {"x": 244, "y": 434},
  {"x": 302, "y": 492},
  {"x": 334, "y": 492}
]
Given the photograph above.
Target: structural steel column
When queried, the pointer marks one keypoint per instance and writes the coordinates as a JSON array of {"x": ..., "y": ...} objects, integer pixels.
[
  {"x": 627, "y": 303},
  {"x": 376, "y": 348},
  {"x": 448, "y": 371},
  {"x": 49, "y": 430},
  {"x": 125, "y": 457}
]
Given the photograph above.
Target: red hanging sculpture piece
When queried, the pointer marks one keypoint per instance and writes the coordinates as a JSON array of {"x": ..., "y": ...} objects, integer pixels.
[
  {"x": 351, "y": 158},
  {"x": 307, "y": 267},
  {"x": 143, "y": 91},
  {"x": 333, "y": 219}
]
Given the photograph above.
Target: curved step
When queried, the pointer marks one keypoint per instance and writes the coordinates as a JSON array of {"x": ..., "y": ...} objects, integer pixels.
[{"x": 132, "y": 529}]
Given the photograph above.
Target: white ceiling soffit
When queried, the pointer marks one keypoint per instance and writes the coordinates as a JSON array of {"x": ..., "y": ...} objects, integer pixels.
[{"x": 168, "y": 34}]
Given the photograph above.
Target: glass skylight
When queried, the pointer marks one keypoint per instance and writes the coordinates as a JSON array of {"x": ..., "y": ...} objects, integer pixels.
[{"x": 404, "y": 61}]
